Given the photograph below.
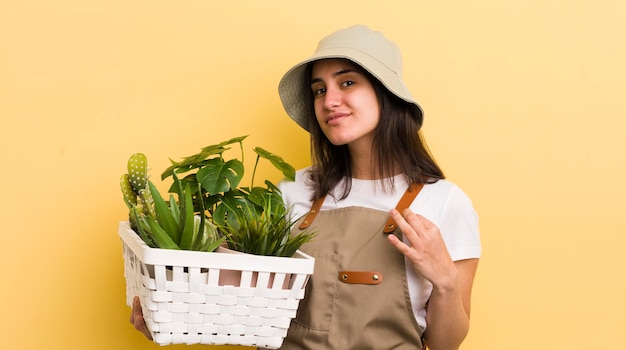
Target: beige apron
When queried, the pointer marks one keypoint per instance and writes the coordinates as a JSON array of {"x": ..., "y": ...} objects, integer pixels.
[{"x": 357, "y": 297}]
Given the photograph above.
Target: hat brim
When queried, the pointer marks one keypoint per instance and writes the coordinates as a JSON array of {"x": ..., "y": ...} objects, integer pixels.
[{"x": 292, "y": 87}]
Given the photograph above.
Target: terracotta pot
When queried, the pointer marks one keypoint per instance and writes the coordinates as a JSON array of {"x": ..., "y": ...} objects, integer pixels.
[
  {"x": 230, "y": 277},
  {"x": 233, "y": 277}
]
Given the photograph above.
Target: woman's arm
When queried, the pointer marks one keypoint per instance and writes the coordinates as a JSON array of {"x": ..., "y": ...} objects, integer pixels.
[{"x": 448, "y": 311}]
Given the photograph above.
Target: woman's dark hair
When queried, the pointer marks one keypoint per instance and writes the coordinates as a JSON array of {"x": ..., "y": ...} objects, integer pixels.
[{"x": 398, "y": 145}]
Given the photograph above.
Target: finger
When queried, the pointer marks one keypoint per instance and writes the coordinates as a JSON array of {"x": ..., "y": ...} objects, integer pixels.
[
  {"x": 137, "y": 320},
  {"x": 418, "y": 222},
  {"x": 136, "y": 305},
  {"x": 140, "y": 325},
  {"x": 407, "y": 228},
  {"x": 394, "y": 240},
  {"x": 401, "y": 246}
]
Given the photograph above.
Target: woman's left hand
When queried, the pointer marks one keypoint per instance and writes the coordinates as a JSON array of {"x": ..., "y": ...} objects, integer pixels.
[{"x": 427, "y": 251}]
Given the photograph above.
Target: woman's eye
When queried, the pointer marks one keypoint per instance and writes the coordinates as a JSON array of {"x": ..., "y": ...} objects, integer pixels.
[
  {"x": 319, "y": 91},
  {"x": 347, "y": 83}
]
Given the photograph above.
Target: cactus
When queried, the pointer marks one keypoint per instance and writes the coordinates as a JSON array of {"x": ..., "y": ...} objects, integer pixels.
[
  {"x": 160, "y": 223},
  {"x": 136, "y": 180},
  {"x": 130, "y": 197},
  {"x": 138, "y": 171}
]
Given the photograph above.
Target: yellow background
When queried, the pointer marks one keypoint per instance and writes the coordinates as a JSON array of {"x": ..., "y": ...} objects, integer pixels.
[{"x": 525, "y": 110}]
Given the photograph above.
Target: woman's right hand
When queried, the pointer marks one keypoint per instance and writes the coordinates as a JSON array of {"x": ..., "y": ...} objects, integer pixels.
[{"x": 136, "y": 319}]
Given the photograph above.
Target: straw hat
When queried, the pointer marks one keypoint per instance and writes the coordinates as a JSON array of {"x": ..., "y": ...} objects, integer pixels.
[{"x": 359, "y": 44}]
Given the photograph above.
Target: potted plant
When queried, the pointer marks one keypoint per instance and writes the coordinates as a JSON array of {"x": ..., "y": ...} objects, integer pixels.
[{"x": 169, "y": 260}]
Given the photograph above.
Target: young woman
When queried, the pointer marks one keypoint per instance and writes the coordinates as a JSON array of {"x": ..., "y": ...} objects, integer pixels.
[
  {"x": 375, "y": 286},
  {"x": 397, "y": 246}
]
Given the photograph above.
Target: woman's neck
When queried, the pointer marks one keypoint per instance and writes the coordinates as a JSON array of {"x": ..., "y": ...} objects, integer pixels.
[
  {"x": 367, "y": 169},
  {"x": 364, "y": 163},
  {"x": 363, "y": 172}
]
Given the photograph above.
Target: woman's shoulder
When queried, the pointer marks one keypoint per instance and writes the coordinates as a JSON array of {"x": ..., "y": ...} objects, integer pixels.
[
  {"x": 444, "y": 188},
  {"x": 444, "y": 195}
]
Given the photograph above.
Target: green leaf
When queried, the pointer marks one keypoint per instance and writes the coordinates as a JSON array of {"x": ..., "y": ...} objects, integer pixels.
[
  {"x": 187, "y": 217},
  {"x": 260, "y": 195},
  {"x": 288, "y": 171},
  {"x": 162, "y": 239},
  {"x": 170, "y": 170},
  {"x": 194, "y": 161},
  {"x": 233, "y": 140},
  {"x": 183, "y": 167},
  {"x": 211, "y": 245},
  {"x": 220, "y": 214},
  {"x": 189, "y": 179},
  {"x": 230, "y": 202},
  {"x": 272, "y": 187},
  {"x": 219, "y": 176},
  {"x": 213, "y": 150},
  {"x": 201, "y": 235},
  {"x": 163, "y": 214},
  {"x": 145, "y": 236},
  {"x": 175, "y": 209}
]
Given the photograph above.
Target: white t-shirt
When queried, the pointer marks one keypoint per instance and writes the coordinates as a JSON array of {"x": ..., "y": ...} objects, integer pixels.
[{"x": 443, "y": 203}]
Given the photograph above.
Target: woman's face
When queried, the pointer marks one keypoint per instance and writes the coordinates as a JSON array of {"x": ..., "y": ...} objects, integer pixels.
[{"x": 345, "y": 103}]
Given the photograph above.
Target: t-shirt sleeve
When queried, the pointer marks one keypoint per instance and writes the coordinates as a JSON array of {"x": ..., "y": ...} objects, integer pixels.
[
  {"x": 296, "y": 194},
  {"x": 459, "y": 226}
]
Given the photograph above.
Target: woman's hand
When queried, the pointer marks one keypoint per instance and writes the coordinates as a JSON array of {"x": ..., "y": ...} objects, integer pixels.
[
  {"x": 427, "y": 251},
  {"x": 136, "y": 319}
]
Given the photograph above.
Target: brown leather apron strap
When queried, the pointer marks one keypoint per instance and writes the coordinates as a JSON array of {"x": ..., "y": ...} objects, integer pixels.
[
  {"x": 407, "y": 198},
  {"x": 315, "y": 208},
  {"x": 404, "y": 203}
]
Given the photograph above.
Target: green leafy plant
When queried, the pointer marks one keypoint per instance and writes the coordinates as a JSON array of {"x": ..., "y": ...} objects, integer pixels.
[
  {"x": 218, "y": 179},
  {"x": 160, "y": 224},
  {"x": 251, "y": 219},
  {"x": 263, "y": 232}
]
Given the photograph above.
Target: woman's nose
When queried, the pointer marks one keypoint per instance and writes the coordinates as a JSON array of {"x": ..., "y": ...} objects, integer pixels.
[{"x": 332, "y": 98}]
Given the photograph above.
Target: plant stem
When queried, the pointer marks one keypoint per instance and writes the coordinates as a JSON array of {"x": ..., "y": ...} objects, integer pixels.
[
  {"x": 254, "y": 172},
  {"x": 241, "y": 147}
]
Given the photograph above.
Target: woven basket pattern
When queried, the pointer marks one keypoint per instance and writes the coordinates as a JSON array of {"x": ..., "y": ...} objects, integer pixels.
[{"x": 232, "y": 299}]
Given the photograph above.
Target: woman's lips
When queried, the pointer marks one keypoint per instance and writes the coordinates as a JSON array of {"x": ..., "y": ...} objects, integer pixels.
[{"x": 335, "y": 118}]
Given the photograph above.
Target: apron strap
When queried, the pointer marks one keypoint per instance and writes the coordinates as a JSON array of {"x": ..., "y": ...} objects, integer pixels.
[
  {"x": 404, "y": 203},
  {"x": 315, "y": 208},
  {"x": 390, "y": 226}
]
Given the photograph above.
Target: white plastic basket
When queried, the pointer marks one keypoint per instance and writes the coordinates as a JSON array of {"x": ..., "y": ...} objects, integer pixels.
[{"x": 183, "y": 301}]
